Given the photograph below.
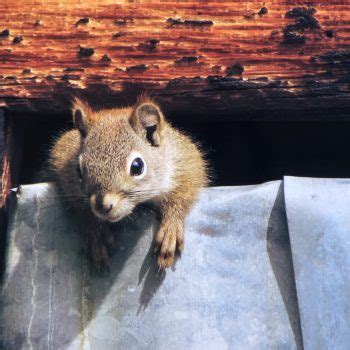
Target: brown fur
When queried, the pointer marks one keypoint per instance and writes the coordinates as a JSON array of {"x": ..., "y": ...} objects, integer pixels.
[{"x": 101, "y": 147}]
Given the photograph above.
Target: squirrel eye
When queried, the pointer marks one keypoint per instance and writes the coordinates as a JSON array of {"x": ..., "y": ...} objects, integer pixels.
[{"x": 137, "y": 167}]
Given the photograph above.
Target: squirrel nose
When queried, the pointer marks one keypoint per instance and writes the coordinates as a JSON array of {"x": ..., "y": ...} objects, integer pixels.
[{"x": 105, "y": 203}]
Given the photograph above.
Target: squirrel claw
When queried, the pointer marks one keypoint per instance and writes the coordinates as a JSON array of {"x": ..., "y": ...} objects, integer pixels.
[
  {"x": 165, "y": 260},
  {"x": 166, "y": 243}
]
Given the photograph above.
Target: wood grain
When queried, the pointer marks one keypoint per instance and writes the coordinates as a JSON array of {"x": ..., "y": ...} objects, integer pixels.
[{"x": 219, "y": 60}]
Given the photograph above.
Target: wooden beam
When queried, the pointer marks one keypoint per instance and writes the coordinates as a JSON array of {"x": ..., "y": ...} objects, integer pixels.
[
  {"x": 217, "y": 60},
  {"x": 11, "y": 146}
]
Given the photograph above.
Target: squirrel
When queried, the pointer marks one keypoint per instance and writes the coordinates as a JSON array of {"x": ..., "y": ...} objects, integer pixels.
[{"x": 116, "y": 159}]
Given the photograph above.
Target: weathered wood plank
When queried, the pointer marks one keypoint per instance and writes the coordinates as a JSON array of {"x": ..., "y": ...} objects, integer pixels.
[
  {"x": 275, "y": 59},
  {"x": 2, "y": 150},
  {"x": 11, "y": 147}
]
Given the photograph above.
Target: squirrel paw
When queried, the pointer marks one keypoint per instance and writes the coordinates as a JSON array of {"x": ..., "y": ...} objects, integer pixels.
[
  {"x": 109, "y": 241},
  {"x": 100, "y": 256},
  {"x": 168, "y": 239},
  {"x": 102, "y": 249}
]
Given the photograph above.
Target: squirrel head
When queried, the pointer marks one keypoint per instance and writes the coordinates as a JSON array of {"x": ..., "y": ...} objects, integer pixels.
[{"x": 122, "y": 157}]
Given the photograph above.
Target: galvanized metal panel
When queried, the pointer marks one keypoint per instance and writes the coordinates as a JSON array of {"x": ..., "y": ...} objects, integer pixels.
[
  {"x": 224, "y": 293},
  {"x": 318, "y": 212}
]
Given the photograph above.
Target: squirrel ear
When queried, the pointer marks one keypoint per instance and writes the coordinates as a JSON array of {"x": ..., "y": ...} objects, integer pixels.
[
  {"x": 147, "y": 120},
  {"x": 82, "y": 116}
]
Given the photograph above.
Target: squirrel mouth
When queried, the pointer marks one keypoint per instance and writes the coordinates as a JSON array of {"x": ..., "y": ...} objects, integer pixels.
[
  {"x": 119, "y": 216},
  {"x": 107, "y": 217},
  {"x": 113, "y": 218},
  {"x": 113, "y": 215},
  {"x": 110, "y": 217}
]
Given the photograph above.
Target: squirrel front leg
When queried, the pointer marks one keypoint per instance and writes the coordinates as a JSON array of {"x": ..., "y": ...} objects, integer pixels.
[
  {"x": 171, "y": 233},
  {"x": 101, "y": 243}
]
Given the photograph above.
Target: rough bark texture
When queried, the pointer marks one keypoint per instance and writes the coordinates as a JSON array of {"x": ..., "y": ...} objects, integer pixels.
[{"x": 218, "y": 60}]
